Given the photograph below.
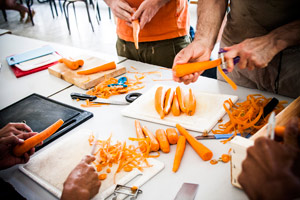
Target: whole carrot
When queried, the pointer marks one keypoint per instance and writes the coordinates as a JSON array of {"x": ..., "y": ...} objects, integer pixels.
[
  {"x": 31, "y": 142},
  {"x": 71, "y": 64},
  {"x": 200, "y": 149},
  {"x": 172, "y": 135},
  {"x": 162, "y": 140},
  {"x": 154, "y": 145},
  {"x": 140, "y": 134},
  {"x": 105, "y": 67},
  {"x": 179, "y": 152}
]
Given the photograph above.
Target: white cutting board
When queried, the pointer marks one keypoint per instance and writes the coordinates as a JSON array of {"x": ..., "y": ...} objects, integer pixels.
[
  {"x": 209, "y": 109},
  {"x": 51, "y": 167}
]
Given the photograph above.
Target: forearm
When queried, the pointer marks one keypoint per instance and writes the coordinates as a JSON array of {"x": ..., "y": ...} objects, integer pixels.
[
  {"x": 210, "y": 16},
  {"x": 286, "y": 35}
]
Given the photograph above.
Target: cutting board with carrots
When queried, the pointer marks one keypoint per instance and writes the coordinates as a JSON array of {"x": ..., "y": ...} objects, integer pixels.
[
  {"x": 51, "y": 167},
  {"x": 209, "y": 110},
  {"x": 60, "y": 70}
]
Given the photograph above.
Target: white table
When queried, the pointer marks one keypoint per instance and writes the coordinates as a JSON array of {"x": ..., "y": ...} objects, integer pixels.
[
  {"x": 213, "y": 180},
  {"x": 13, "y": 89}
]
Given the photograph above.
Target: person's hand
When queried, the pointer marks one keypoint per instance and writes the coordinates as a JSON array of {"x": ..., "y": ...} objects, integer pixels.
[
  {"x": 147, "y": 10},
  {"x": 270, "y": 168},
  {"x": 254, "y": 53},
  {"x": 121, "y": 9},
  {"x": 11, "y": 135},
  {"x": 194, "y": 52},
  {"x": 83, "y": 182}
]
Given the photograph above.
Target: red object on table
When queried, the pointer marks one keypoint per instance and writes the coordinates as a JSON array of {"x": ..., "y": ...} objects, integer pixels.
[{"x": 19, "y": 73}]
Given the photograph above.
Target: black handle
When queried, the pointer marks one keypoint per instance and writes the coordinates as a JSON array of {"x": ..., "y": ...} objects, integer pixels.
[
  {"x": 81, "y": 96},
  {"x": 132, "y": 96},
  {"x": 270, "y": 106}
]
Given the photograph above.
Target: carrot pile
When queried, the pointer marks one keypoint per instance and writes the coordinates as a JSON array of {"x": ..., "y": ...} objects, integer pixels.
[
  {"x": 246, "y": 116},
  {"x": 103, "y": 91},
  {"x": 174, "y": 101}
]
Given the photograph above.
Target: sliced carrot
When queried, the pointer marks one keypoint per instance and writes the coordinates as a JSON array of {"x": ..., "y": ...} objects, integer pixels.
[
  {"x": 72, "y": 64},
  {"x": 190, "y": 103},
  {"x": 175, "y": 106},
  {"x": 180, "y": 98},
  {"x": 201, "y": 150},
  {"x": 154, "y": 145},
  {"x": 102, "y": 176},
  {"x": 31, "y": 142},
  {"x": 227, "y": 79},
  {"x": 162, "y": 140},
  {"x": 225, "y": 158},
  {"x": 159, "y": 101},
  {"x": 168, "y": 101},
  {"x": 136, "y": 31},
  {"x": 213, "y": 161},
  {"x": 108, "y": 170},
  {"x": 105, "y": 67},
  {"x": 189, "y": 68},
  {"x": 179, "y": 152},
  {"x": 140, "y": 134},
  {"x": 172, "y": 135}
]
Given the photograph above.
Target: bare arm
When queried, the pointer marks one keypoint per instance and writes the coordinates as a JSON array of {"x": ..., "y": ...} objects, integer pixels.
[
  {"x": 210, "y": 16},
  {"x": 121, "y": 9},
  {"x": 258, "y": 52}
]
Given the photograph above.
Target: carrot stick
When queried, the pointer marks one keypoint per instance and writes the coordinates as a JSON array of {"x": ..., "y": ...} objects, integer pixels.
[
  {"x": 159, "y": 101},
  {"x": 71, "y": 64},
  {"x": 227, "y": 79},
  {"x": 190, "y": 103},
  {"x": 31, "y": 142},
  {"x": 179, "y": 152},
  {"x": 154, "y": 145},
  {"x": 200, "y": 149},
  {"x": 168, "y": 101},
  {"x": 162, "y": 140},
  {"x": 189, "y": 68},
  {"x": 180, "y": 99},
  {"x": 175, "y": 106},
  {"x": 172, "y": 135},
  {"x": 105, "y": 67},
  {"x": 140, "y": 134},
  {"x": 136, "y": 31}
]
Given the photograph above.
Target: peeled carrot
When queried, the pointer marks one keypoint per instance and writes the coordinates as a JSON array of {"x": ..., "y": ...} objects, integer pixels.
[
  {"x": 162, "y": 140},
  {"x": 31, "y": 142},
  {"x": 154, "y": 145},
  {"x": 189, "y": 68},
  {"x": 190, "y": 103},
  {"x": 179, "y": 152},
  {"x": 279, "y": 130},
  {"x": 105, "y": 67},
  {"x": 200, "y": 149},
  {"x": 180, "y": 99},
  {"x": 136, "y": 31},
  {"x": 168, "y": 101},
  {"x": 175, "y": 106},
  {"x": 227, "y": 79},
  {"x": 71, "y": 64},
  {"x": 159, "y": 101},
  {"x": 172, "y": 135},
  {"x": 140, "y": 134}
]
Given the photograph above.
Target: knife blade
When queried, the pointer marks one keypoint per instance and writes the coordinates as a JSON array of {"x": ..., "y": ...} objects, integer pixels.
[
  {"x": 81, "y": 96},
  {"x": 215, "y": 136},
  {"x": 187, "y": 191}
]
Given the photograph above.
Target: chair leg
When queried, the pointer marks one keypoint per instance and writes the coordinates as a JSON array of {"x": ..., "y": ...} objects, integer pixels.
[
  {"x": 87, "y": 9},
  {"x": 4, "y": 14},
  {"x": 60, "y": 6},
  {"x": 109, "y": 12},
  {"x": 55, "y": 7},
  {"x": 98, "y": 11},
  {"x": 30, "y": 14},
  {"x": 75, "y": 13},
  {"x": 50, "y": 3},
  {"x": 67, "y": 15}
]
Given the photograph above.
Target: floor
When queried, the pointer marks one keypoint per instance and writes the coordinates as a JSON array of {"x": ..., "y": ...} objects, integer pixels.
[{"x": 51, "y": 29}]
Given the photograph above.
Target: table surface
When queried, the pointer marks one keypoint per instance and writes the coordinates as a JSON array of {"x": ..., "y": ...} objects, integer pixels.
[{"x": 213, "y": 180}]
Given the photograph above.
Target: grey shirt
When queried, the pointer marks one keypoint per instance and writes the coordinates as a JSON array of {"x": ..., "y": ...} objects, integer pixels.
[{"x": 254, "y": 18}]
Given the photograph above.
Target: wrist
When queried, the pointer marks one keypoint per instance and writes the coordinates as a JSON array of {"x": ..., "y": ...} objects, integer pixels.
[{"x": 74, "y": 192}]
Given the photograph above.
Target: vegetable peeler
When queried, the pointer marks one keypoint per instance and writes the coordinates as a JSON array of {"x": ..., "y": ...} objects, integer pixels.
[
  {"x": 223, "y": 62},
  {"x": 132, "y": 192},
  {"x": 271, "y": 126}
]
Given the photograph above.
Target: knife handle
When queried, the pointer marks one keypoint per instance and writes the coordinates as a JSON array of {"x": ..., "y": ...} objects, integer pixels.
[{"x": 81, "y": 96}]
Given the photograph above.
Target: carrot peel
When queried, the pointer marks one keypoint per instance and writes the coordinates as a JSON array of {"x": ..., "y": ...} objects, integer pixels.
[{"x": 31, "y": 142}]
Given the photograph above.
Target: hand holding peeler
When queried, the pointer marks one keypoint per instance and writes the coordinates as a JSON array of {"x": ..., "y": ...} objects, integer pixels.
[
  {"x": 223, "y": 62},
  {"x": 271, "y": 126}
]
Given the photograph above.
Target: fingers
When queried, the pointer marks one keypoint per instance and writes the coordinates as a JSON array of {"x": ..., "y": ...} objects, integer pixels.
[
  {"x": 11, "y": 140},
  {"x": 22, "y": 126},
  {"x": 88, "y": 159},
  {"x": 25, "y": 136},
  {"x": 292, "y": 133}
]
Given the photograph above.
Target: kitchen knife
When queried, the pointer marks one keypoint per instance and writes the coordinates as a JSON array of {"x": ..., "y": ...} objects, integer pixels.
[
  {"x": 187, "y": 191},
  {"x": 91, "y": 98},
  {"x": 216, "y": 136}
]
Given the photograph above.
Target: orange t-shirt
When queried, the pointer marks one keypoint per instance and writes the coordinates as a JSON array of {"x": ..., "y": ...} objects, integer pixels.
[{"x": 171, "y": 21}]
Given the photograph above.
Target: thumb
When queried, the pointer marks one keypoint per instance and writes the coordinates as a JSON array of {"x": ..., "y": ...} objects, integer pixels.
[
  {"x": 88, "y": 159},
  {"x": 12, "y": 140},
  {"x": 292, "y": 133}
]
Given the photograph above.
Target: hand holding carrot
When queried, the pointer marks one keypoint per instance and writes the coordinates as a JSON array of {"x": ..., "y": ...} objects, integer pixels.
[
  {"x": 83, "y": 182},
  {"x": 11, "y": 135}
]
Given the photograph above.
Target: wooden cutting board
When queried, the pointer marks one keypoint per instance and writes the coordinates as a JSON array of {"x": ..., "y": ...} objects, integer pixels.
[
  {"x": 51, "y": 167},
  {"x": 85, "y": 81},
  {"x": 209, "y": 110}
]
